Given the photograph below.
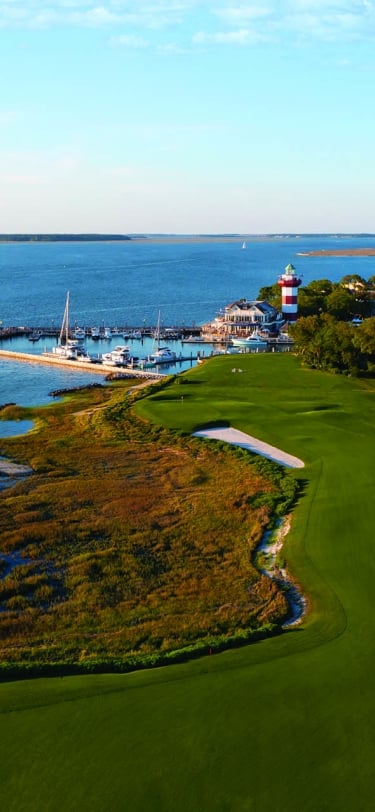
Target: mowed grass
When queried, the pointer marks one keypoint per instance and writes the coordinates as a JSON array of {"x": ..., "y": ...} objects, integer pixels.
[{"x": 285, "y": 724}]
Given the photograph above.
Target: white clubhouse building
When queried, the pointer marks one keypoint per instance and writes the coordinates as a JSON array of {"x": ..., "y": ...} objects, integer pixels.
[{"x": 243, "y": 317}]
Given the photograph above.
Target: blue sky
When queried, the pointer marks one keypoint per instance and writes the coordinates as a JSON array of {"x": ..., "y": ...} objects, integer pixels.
[{"x": 187, "y": 116}]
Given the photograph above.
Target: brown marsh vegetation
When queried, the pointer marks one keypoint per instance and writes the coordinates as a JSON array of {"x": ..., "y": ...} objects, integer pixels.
[{"x": 128, "y": 540}]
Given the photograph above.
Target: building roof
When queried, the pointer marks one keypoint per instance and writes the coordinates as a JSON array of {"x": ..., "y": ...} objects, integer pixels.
[{"x": 245, "y": 304}]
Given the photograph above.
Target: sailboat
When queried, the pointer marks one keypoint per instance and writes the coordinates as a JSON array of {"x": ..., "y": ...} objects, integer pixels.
[
  {"x": 161, "y": 355},
  {"x": 244, "y": 246},
  {"x": 66, "y": 347}
]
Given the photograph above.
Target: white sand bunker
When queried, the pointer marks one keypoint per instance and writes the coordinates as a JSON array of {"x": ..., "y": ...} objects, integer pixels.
[{"x": 239, "y": 438}]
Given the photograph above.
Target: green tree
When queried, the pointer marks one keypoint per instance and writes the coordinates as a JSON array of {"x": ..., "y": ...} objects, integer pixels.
[
  {"x": 312, "y": 298},
  {"x": 326, "y": 343},
  {"x": 307, "y": 340},
  {"x": 271, "y": 294},
  {"x": 341, "y": 304},
  {"x": 364, "y": 339},
  {"x": 345, "y": 355}
]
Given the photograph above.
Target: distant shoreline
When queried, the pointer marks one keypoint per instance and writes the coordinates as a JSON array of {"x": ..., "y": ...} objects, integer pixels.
[
  {"x": 341, "y": 252},
  {"x": 192, "y": 239}
]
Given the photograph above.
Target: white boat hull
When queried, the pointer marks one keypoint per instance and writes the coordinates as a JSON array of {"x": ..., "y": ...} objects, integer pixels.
[{"x": 249, "y": 343}]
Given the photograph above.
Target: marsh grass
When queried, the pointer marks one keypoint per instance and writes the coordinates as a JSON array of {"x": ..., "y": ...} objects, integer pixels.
[{"x": 138, "y": 540}]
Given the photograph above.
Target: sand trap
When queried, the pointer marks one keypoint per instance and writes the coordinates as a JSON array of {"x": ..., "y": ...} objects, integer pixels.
[
  {"x": 12, "y": 469},
  {"x": 239, "y": 438}
]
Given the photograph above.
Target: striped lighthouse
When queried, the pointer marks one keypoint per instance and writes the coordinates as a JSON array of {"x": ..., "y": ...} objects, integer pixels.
[{"x": 289, "y": 284}]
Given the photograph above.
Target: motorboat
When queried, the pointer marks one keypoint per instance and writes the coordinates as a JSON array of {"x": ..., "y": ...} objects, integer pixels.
[
  {"x": 107, "y": 332},
  {"x": 63, "y": 351},
  {"x": 95, "y": 333},
  {"x": 162, "y": 356},
  {"x": 35, "y": 335},
  {"x": 119, "y": 356},
  {"x": 111, "y": 360},
  {"x": 145, "y": 363},
  {"x": 79, "y": 333},
  {"x": 192, "y": 340},
  {"x": 122, "y": 348},
  {"x": 253, "y": 341}
]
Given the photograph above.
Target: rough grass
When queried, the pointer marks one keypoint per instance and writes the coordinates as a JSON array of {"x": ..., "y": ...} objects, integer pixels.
[
  {"x": 129, "y": 542},
  {"x": 286, "y": 724}
]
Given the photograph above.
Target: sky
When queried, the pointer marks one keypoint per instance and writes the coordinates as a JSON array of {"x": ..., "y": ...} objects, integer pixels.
[{"x": 181, "y": 116}]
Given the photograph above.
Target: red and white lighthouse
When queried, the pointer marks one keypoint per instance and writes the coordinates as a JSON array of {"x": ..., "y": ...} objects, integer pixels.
[{"x": 289, "y": 283}]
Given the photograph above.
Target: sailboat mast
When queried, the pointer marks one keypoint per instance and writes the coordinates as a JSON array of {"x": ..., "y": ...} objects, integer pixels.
[
  {"x": 64, "y": 332},
  {"x": 158, "y": 332}
]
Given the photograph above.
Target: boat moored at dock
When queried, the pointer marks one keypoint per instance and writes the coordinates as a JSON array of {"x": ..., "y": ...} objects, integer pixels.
[
  {"x": 66, "y": 347},
  {"x": 163, "y": 356},
  {"x": 119, "y": 356},
  {"x": 80, "y": 333},
  {"x": 35, "y": 335},
  {"x": 251, "y": 342}
]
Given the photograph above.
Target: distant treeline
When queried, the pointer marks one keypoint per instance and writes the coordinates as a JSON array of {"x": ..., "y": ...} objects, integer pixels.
[{"x": 62, "y": 237}]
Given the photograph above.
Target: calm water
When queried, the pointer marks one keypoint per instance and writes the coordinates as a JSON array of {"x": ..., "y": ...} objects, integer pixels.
[{"x": 128, "y": 283}]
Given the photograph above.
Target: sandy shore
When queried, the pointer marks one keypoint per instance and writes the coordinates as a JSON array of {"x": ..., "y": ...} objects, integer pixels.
[
  {"x": 239, "y": 438},
  {"x": 341, "y": 252}
]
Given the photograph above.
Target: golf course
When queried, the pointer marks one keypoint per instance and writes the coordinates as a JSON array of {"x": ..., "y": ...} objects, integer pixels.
[{"x": 285, "y": 724}]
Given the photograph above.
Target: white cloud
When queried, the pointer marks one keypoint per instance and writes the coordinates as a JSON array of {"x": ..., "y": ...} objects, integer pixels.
[
  {"x": 241, "y": 37},
  {"x": 242, "y": 13},
  {"x": 154, "y": 14},
  {"x": 321, "y": 19},
  {"x": 219, "y": 22},
  {"x": 332, "y": 23}
]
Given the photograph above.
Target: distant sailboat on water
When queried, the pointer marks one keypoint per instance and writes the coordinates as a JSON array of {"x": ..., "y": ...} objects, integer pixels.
[{"x": 244, "y": 246}]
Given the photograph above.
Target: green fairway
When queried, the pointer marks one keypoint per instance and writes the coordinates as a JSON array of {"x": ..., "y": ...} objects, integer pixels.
[{"x": 283, "y": 724}]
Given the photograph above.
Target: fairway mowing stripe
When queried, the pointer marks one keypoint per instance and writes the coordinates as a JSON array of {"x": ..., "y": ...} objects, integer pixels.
[{"x": 239, "y": 438}]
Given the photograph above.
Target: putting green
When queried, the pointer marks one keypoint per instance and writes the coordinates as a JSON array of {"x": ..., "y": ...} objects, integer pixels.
[{"x": 284, "y": 724}]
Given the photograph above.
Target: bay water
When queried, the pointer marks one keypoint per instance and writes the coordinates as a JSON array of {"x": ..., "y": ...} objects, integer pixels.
[{"x": 128, "y": 283}]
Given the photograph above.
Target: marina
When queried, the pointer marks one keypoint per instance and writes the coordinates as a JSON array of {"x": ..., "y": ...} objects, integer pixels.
[
  {"x": 102, "y": 368},
  {"x": 103, "y": 362},
  {"x": 117, "y": 291},
  {"x": 140, "y": 357}
]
